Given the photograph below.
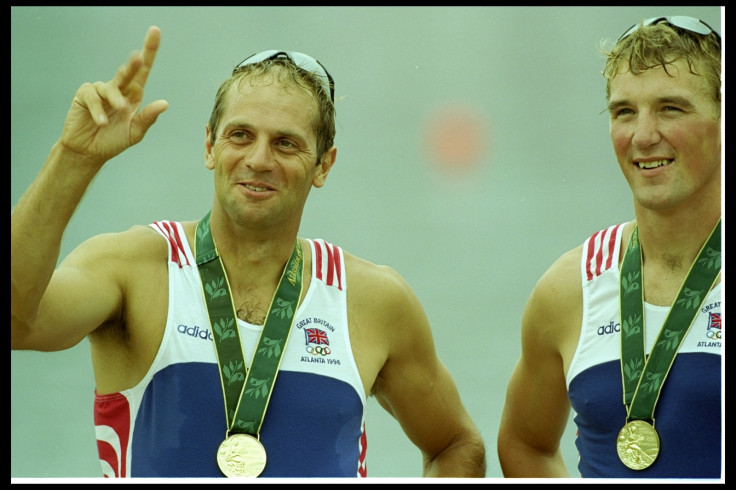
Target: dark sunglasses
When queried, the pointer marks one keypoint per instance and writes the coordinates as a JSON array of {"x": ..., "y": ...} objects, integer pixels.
[
  {"x": 683, "y": 22},
  {"x": 301, "y": 60}
]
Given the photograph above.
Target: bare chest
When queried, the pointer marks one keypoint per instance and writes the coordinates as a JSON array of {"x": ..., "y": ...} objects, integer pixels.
[
  {"x": 253, "y": 301},
  {"x": 662, "y": 287}
]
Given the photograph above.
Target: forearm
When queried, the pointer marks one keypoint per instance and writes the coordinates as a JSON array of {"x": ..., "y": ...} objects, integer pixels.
[
  {"x": 37, "y": 224},
  {"x": 463, "y": 459}
]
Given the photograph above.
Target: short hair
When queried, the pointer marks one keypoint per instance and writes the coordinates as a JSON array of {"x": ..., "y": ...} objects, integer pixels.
[
  {"x": 661, "y": 44},
  {"x": 286, "y": 72}
]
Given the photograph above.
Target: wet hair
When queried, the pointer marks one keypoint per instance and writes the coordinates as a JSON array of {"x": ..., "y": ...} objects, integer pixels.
[
  {"x": 288, "y": 74},
  {"x": 660, "y": 45}
]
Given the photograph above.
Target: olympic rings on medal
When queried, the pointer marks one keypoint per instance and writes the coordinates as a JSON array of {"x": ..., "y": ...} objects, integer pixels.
[{"x": 319, "y": 349}]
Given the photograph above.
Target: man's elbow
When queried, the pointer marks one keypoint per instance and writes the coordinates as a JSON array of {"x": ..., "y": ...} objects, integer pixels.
[{"x": 465, "y": 457}]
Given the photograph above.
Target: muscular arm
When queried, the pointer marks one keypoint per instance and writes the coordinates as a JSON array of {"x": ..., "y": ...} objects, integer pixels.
[
  {"x": 537, "y": 408},
  {"x": 103, "y": 120},
  {"x": 417, "y": 389}
]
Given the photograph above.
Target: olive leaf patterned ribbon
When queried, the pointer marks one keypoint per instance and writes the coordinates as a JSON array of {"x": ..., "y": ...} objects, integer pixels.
[
  {"x": 643, "y": 377},
  {"x": 246, "y": 391}
]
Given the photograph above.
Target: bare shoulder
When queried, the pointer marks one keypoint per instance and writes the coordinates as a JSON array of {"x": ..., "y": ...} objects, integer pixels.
[
  {"x": 384, "y": 317},
  {"x": 381, "y": 293},
  {"x": 558, "y": 294},
  {"x": 383, "y": 280},
  {"x": 377, "y": 294},
  {"x": 553, "y": 314},
  {"x": 561, "y": 281},
  {"x": 113, "y": 248}
]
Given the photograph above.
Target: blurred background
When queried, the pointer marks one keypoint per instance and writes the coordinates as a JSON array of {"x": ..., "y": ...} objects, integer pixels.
[{"x": 473, "y": 150}]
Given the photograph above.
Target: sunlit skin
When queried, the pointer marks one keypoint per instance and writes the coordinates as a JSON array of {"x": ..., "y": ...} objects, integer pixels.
[
  {"x": 265, "y": 159},
  {"x": 673, "y": 117}
]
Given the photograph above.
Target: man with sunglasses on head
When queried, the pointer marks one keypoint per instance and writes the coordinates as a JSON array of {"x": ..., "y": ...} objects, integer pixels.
[
  {"x": 626, "y": 328},
  {"x": 230, "y": 346}
]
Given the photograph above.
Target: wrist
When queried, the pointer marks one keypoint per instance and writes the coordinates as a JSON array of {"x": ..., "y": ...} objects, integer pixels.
[{"x": 73, "y": 160}]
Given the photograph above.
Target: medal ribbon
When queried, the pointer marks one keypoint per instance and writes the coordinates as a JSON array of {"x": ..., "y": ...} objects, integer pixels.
[
  {"x": 246, "y": 391},
  {"x": 643, "y": 379}
]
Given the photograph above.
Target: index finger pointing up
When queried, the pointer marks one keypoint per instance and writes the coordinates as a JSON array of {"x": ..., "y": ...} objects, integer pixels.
[
  {"x": 131, "y": 79},
  {"x": 150, "y": 46}
]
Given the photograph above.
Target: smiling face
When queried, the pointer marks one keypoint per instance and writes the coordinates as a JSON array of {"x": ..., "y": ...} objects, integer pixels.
[
  {"x": 665, "y": 130},
  {"x": 265, "y": 154}
]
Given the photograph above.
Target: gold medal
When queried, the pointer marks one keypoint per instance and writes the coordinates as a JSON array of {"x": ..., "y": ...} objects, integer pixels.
[
  {"x": 241, "y": 456},
  {"x": 638, "y": 445}
]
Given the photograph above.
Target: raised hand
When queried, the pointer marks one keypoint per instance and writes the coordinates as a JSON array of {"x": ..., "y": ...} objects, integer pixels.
[{"x": 104, "y": 118}]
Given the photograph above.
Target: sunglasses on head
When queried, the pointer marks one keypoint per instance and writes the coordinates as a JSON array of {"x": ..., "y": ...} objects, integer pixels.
[
  {"x": 683, "y": 22},
  {"x": 301, "y": 60}
]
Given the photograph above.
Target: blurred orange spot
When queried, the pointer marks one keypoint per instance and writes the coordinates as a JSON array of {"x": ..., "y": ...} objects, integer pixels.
[{"x": 457, "y": 136}]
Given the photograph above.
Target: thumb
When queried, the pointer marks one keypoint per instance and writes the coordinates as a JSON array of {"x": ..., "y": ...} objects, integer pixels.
[{"x": 146, "y": 118}]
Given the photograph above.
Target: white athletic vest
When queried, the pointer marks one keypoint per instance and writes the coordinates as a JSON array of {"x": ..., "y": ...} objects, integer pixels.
[
  {"x": 172, "y": 422},
  {"x": 688, "y": 413}
]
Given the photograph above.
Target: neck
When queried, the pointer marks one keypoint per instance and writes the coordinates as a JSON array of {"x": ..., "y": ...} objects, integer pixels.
[
  {"x": 673, "y": 242},
  {"x": 250, "y": 256},
  {"x": 674, "y": 233}
]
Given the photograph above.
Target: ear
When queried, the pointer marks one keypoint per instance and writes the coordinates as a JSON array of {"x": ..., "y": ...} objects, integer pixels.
[
  {"x": 328, "y": 160},
  {"x": 209, "y": 156}
]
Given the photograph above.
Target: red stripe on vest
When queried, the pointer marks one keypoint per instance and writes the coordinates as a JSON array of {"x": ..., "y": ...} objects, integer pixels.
[{"x": 113, "y": 411}]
